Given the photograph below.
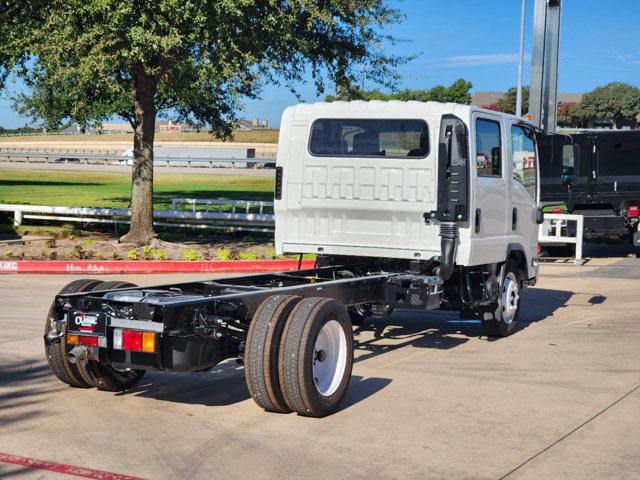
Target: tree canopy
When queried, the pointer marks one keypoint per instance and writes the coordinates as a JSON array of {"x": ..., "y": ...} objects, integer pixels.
[
  {"x": 190, "y": 60},
  {"x": 507, "y": 103},
  {"x": 616, "y": 101},
  {"x": 457, "y": 92}
]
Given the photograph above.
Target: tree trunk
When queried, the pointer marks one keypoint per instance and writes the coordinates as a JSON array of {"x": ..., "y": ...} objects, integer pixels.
[{"x": 141, "y": 231}]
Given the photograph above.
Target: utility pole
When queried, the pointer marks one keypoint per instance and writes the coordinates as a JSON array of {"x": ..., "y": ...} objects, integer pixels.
[
  {"x": 520, "y": 62},
  {"x": 543, "y": 96}
]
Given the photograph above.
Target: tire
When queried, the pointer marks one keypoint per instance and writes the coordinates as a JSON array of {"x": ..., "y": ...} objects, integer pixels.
[
  {"x": 262, "y": 349},
  {"x": 56, "y": 352},
  {"x": 106, "y": 377},
  {"x": 316, "y": 357},
  {"x": 502, "y": 322}
]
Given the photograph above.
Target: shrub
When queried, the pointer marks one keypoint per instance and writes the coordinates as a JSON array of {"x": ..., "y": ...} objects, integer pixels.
[
  {"x": 251, "y": 255},
  {"x": 132, "y": 254},
  {"x": 159, "y": 254},
  {"x": 191, "y": 254},
  {"x": 223, "y": 254}
]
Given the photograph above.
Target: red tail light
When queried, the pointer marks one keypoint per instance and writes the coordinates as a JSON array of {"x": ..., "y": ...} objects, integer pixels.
[
  {"x": 633, "y": 211},
  {"x": 132, "y": 340},
  {"x": 87, "y": 341},
  {"x": 557, "y": 210}
]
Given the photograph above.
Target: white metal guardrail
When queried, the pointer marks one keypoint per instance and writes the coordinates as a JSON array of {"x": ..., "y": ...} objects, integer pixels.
[
  {"x": 226, "y": 216},
  {"x": 554, "y": 230},
  {"x": 72, "y": 157},
  {"x": 207, "y": 205}
]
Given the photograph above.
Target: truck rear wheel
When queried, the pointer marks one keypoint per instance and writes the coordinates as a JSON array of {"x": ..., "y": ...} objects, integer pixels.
[
  {"x": 502, "y": 321},
  {"x": 261, "y": 352},
  {"x": 316, "y": 357},
  {"x": 56, "y": 350},
  {"x": 106, "y": 377}
]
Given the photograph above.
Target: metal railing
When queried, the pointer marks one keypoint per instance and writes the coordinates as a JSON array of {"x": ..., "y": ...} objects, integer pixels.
[
  {"x": 207, "y": 205},
  {"x": 554, "y": 230},
  {"x": 106, "y": 159},
  {"x": 231, "y": 219}
]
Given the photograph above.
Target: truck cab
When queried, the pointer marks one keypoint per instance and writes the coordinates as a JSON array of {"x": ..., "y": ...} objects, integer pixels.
[{"x": 375, "y": 179}]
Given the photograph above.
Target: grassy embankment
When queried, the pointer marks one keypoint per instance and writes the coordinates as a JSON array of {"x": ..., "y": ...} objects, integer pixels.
[
  {"x": 239, "y": 136},
  {"x": 113, "y": 190}
]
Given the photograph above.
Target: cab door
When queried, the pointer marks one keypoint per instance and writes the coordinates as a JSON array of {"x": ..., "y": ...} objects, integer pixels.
[
  {"x": 524, "y": 189},
  {"x": 489, "y": 216}
]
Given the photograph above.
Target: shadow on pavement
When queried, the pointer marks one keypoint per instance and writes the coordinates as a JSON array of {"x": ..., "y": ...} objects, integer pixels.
[
  {"x": 445, "y": 330},
  {"x": 22, "y": 386},
  {"x": 223, "y": 385}
]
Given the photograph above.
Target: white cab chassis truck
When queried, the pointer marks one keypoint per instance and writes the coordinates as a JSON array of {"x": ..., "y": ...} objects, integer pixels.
[{"x": 407, "y": 205}]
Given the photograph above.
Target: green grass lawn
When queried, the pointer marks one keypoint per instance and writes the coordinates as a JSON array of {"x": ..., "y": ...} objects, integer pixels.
[{"x": 98, "y": 189}]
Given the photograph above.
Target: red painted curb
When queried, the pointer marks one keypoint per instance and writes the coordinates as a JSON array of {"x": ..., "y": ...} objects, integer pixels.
[
  {"x": 62, "y": 468},
  {"x": 26, "y": 266}
]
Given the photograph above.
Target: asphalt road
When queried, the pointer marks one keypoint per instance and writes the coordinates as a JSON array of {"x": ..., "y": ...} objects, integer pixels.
[{"x": 430, "y": 397}]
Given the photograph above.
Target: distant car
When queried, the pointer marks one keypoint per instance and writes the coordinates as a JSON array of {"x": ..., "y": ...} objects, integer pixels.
[{"x": 67, "y": 160}]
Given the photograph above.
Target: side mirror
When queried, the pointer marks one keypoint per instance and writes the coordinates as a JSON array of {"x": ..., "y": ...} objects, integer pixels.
[{"x": 570, "y": 162}]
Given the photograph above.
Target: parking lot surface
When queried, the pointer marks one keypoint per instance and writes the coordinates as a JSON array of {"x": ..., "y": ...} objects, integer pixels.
[{"x": 430, "y": 397}]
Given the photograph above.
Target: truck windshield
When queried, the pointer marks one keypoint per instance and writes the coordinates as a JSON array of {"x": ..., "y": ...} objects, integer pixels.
[{"x": 369, "y": 138}]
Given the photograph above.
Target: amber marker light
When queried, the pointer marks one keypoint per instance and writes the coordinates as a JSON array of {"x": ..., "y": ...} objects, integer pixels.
[
  {"x": 149, "y": 342},
  {"x": 73, "y": 339}
]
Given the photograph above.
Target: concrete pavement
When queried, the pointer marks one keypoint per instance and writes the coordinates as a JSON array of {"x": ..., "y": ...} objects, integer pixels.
[{"x": 430, "y": 397}]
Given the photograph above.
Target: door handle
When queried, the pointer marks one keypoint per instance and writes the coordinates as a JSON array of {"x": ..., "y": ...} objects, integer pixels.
[
  {"x": 514, "y": 219},
  {"x": 478, "y": 218}
]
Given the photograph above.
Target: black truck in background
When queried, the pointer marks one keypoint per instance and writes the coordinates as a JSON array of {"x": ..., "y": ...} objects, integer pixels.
[{"x": 603, "y": 184}]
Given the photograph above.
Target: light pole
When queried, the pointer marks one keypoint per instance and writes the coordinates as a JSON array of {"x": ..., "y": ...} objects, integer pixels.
[{"x": 520, "y": 62}]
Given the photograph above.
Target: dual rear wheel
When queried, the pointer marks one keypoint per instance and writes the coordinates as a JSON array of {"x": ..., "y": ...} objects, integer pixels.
[{"x": 299, "y": 355}]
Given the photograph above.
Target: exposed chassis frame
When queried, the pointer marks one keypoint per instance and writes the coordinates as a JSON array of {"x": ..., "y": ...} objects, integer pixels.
[{"x": 202, "y": 323}]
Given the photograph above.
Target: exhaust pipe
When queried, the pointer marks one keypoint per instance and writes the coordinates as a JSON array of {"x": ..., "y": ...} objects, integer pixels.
[
  {"x": 448, "y": 246},
  {"x": 78, "y": 354}
]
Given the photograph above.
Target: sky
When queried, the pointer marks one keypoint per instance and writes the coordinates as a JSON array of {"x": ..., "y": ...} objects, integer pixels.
[{"x": 478, "y": 40}]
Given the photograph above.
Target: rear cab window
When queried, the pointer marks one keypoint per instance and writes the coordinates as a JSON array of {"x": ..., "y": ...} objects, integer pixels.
[
  {"x": 393, "y": 138},
  {"x": 488, "y": 148}
]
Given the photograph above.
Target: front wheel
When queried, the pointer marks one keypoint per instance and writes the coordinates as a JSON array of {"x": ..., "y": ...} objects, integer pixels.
[
  {"x": 316, "y": 357},
  {"x": 502, "y": 321}
]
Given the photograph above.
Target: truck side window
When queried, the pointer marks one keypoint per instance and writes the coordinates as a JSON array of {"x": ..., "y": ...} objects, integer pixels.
[
  {"x": 524, "y": 158},
  {"x": 488, "y": 148}
]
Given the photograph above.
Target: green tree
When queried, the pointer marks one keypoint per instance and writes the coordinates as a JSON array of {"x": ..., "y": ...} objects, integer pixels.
[
  {"x": 191, "y": 60},
  {"x": 615, "y": 101},
  {"x": 457, "y": 92},
  {"x": 569, "y": 115},
  {"x": 507, "y": 103}
]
